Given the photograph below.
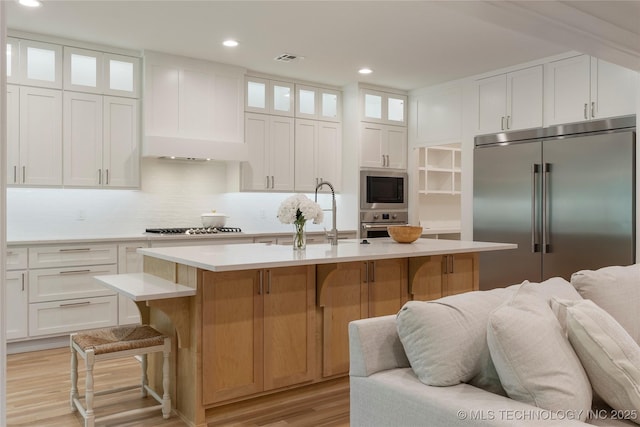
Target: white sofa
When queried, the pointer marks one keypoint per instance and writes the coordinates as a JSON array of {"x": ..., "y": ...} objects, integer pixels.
[{"x": 387, "y": 391}]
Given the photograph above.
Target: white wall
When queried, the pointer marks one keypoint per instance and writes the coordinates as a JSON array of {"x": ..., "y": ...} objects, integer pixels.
[{"x": 173, "y": 194}]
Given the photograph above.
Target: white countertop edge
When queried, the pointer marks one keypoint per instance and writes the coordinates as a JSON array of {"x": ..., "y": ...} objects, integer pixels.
[
  {"x": 285, "y": 256},
  {"x": 144, "y": 286},
  {"x": 151, "y": 237}
]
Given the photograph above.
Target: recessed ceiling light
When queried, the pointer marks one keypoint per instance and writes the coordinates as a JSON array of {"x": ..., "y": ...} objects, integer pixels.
[
  {"x": 230, "y": 43},
  {"x": 365, "y": 70},
  {"x": 30, "y": 3}
]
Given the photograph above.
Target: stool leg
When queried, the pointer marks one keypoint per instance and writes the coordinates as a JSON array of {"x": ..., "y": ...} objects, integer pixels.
[
  {"x": 166, "y": 398},
  {"x": 90, "y": 417},
  {"x": 74, "y": 376},
  {"x": 145, "y": 379}
]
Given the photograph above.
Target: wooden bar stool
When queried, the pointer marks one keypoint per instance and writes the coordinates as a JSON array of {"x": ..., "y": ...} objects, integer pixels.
[{"x": 112, "y": 343}]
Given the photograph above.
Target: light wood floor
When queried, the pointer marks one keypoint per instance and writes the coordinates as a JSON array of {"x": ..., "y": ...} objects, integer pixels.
[{"x": 38, "y": 387}]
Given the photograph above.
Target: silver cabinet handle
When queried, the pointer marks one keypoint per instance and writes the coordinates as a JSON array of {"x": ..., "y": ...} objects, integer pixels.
[
  {"x": 451, "y": 264},
  {"x": 99, "y": 176},
  {"x": 107, "y": 180},
  {"x": 268, "y": 281},
  {"x": 373, "y": 271},
  {"x": 508, "y": 122},
  {"x": 546, "y": 236},
  {"x": 585, "y": 112},
  {"x": 267, "y": 186},
  {"x": 75, "y": 250},
  {"x": 502, "y": 123},
  {"x": 22, "y": 278},
  {"x": 62, "y": 273},
  {"x": 593, "y": 109},
  {"x": 366, "y": 272},
  {"x": 260, "y": 283},
  {"x": 15, "y": 174},
  {"x": 75, "y": 304},
  {"x": 24, "y": 174},
  {"x": 535, "y": 243}
]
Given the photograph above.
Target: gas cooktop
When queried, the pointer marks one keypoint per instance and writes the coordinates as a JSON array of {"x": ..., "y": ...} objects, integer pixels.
[{"x": 194, "y": 230}]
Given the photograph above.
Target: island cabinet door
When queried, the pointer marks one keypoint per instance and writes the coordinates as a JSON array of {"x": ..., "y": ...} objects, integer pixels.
[
  {"x": 461, "y": 273},
  {"x": 388, "y": 286},
  {"x": 289, "y": 326},
  {"x": 426, "y": 277},
  {"x": 439, "y": 276},
  {"x": 232, "y": 333},
  {"x": 355, "y": 290},
  {"x": 341, "y": 293}
]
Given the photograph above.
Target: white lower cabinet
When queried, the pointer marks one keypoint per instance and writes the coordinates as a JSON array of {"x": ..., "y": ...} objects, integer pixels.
[
  {"x": 63, "y": 295},
  {"x": 16, "y": 294},
  {"x": 56, "y": 317},
  {"x": 17, "y": 298}
]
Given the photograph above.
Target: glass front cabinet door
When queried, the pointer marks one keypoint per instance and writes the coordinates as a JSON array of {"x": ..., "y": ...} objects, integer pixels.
[{"x": 269, "y": 96}]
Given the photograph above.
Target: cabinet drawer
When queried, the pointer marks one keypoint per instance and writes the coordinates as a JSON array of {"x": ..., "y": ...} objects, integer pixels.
[
  {"x": 17, "y": 258},
  {"x": 48, "y": 318},
  {"x": 54, "y": 284},
  {"x": 66, "y": 256}
]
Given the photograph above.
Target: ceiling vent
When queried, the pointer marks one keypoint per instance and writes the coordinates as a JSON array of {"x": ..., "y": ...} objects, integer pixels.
[{"x": 286, "y": 57}]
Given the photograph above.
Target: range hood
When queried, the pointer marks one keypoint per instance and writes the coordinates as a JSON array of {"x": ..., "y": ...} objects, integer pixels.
[
  {"x": 194, "y": 149},
  {"x": 193, "y": 109}
]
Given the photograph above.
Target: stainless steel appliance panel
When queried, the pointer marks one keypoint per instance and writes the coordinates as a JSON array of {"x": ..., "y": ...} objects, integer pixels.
[
  {"x": 506, "y": 190},
  {"x": 564, "y": 194},
  {"x": 383, "y": 190},
  {"x": 590, "y": 213}
]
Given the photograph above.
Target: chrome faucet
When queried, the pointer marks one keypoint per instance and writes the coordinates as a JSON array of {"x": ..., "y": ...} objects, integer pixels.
[{"x": 333, "y": 234}]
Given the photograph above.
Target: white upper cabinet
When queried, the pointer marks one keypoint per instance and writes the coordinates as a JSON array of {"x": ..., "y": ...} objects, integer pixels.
[
  {"x": 510, "y": 101},
  {"x": 318, "y": 146},
  {"x": 585, "y": 88},
  {"x": 13, "y": 60},
  {"x": 383, "y": 146},
  {"x": 383, "y": 107},
  {"x": 318, "y": 103},
  {"x": 39, "y": 138},
  {"x": 102, "y": 73},
  {"x": 270, "y": 141},
  {"x": 100, "y": 141},
  {"x": 436, "y": 116},
  {"x": 33, "y": 63},
  {"x": 613, "y": 89},
  {"x": 269, "y": 96}
]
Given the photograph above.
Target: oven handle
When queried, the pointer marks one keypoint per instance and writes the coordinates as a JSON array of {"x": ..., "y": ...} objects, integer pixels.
[{"x": 381, "y": 226}]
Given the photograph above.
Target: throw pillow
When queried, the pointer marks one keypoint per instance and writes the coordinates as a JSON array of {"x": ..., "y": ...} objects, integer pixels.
[
  {"x": 445, "y": 340},
  {"x": 533, "y": 358},
  {"x": 608, "y": 353},
  {"x": 616, "y": 289}
]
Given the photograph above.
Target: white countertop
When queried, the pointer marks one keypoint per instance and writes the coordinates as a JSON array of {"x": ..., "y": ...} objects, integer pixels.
[
  {"x": 261, "y": 255},
  {"x": 144, "y": 287}
]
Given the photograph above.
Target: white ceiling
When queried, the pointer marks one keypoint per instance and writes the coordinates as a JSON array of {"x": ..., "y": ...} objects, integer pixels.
[{"x": 408, "y": 44}]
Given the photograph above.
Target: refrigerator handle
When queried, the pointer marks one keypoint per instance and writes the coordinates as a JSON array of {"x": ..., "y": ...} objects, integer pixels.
[
  {"x": 546, "y": 235},
  {"x": 535, "y": 242}
]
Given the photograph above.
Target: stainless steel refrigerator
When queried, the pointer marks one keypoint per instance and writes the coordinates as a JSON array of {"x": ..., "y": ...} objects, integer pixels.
[{"x": 564, "y": 194}]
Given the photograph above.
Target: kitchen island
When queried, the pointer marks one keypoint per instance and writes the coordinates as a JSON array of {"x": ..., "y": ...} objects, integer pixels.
[{"x": 266, "y": 318}]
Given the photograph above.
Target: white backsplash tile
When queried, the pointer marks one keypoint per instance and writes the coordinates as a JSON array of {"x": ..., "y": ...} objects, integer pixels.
[{"x": 173, "y": 194}]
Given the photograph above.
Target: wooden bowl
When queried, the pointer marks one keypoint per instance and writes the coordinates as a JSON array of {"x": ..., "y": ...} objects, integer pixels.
[{"x": 404, "y": 233}]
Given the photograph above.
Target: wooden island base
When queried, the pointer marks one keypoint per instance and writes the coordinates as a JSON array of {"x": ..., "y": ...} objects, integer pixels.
[{"x": 275, "y": 333}]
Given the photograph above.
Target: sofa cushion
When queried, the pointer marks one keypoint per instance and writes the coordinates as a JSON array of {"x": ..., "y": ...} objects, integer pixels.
[
  {"x": 533, "y": 358},
  {"x": 616, "y": 289},
  {"x": 610, "y": 356},
  {"x": 446, "y": 340}
]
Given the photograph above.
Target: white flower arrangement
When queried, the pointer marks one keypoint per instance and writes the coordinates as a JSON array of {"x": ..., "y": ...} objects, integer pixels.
[{"x": 298, "y": 209}]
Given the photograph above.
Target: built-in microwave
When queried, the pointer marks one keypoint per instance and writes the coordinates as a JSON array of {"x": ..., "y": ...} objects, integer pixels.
[{"x": 387, "y": 190}]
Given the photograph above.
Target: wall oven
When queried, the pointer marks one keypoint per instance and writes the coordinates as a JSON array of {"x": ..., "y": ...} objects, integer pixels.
[
  {"x": 385, "y": 190},
  {"x": 383, "y": 201}
]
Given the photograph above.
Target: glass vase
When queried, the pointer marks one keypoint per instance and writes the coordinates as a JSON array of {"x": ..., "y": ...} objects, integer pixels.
[{"x": 299, "y": 236}]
